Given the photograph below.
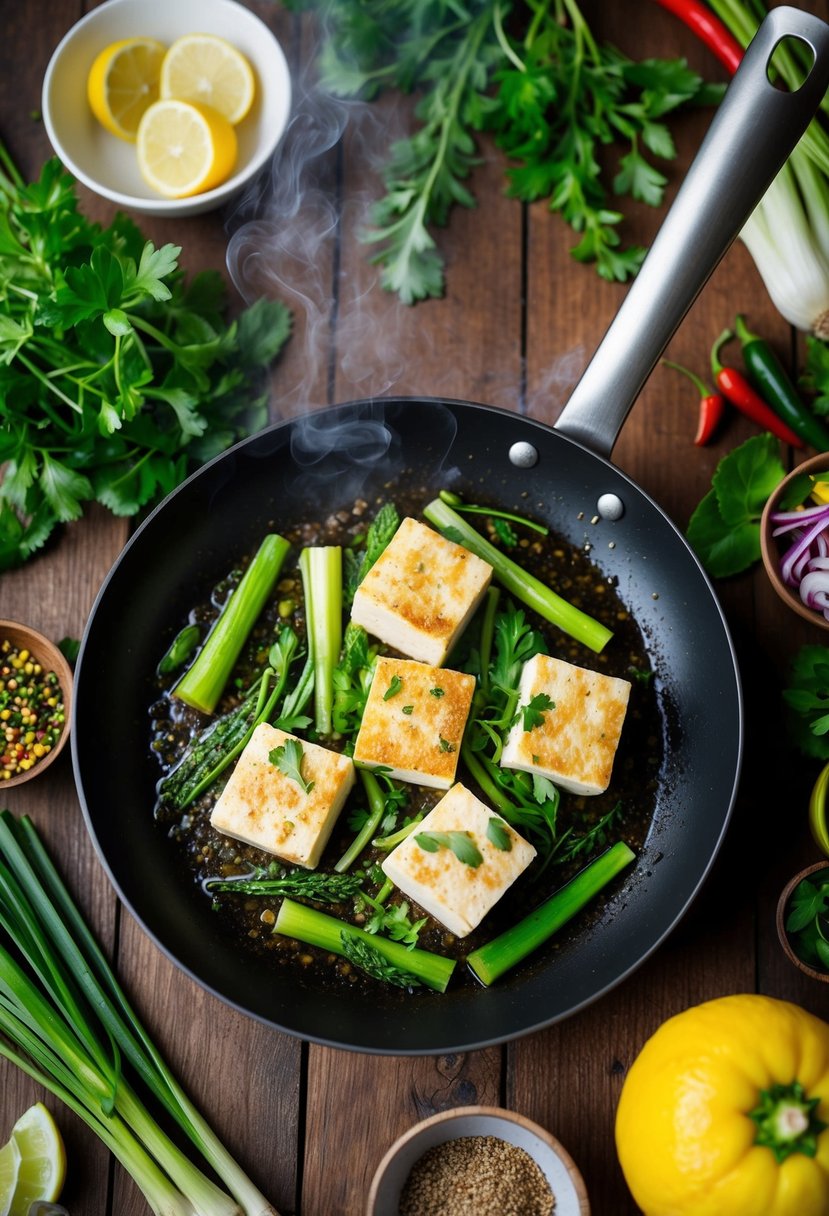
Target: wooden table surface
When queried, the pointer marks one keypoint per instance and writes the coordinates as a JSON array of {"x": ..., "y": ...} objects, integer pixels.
[{"x": 518, "y": 324}]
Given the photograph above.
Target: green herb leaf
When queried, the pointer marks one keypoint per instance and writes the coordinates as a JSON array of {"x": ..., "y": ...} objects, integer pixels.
[
  {"x": 807, "y": 699},
  {"x": 288, "y": 759},
  {"x": 460, "y": 843},
  {"x": 498, "y": 834},
  {"x": 393, "y": 689},
  {"x": 724, "y": 529},
  {"x": 532, "y": 714},
  {"x": 408, "y": 709},
  {"x": 436, "y": 692},
  {"x": 445, "y": 745}
]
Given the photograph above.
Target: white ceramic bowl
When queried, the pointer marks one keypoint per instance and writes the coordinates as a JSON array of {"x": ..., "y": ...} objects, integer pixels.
[
  {"x": 109, "y": 165},
  {"x": 555, "y": 1162}
]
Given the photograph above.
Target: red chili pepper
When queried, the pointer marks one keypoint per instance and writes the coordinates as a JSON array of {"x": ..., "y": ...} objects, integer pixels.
[
  {"x": 734, "y": 386},
  {"x": 709, "y": 29},
  {"x": 711, "y": 405}
]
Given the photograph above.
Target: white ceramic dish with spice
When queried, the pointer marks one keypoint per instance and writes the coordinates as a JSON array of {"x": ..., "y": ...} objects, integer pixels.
[
  {"x": 552, "y": 1158},
  {"x": 47, "y": 654},
  {"x": 109, "y": 165}
]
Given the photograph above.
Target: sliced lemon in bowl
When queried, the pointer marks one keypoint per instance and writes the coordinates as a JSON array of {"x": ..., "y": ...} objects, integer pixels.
[
  {"x": 123, "y": 82},
  {"x": 206, "y": 69},
  {"x": 185, "y": 148},
  {"x": 42, "y": 1159}
]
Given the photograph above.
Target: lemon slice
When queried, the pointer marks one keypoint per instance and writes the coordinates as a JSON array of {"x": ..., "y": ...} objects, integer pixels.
[
  {"x": 42, "y": 1167},
  {"x": 206, "y": 69},
  {"x": 185, "y": 148},
  {"x": 9, "y": 1169},
  {"x": 123, "y": 82}
]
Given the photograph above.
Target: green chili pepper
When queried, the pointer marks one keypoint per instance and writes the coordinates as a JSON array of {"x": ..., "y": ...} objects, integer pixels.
[
  {"x": 771, "y": 379},
  {"x": 180, "y": 649}
]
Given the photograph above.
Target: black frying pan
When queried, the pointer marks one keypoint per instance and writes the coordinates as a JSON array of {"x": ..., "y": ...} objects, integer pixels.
[{"x": 200, "y": 530}]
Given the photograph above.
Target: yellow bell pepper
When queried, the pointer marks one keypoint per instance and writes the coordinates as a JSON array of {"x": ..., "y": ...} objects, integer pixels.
[{"x": 725, "y": 1112}]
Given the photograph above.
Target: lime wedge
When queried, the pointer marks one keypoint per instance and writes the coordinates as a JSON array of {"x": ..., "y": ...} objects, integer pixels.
[
  {"x": 817, "y": 811},
  {"x": 9, "y": 1166},
  {"x": 42, "y": 1164}
]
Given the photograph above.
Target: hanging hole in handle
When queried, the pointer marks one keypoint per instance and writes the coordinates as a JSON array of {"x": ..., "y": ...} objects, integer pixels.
[{"x": 790, "y": 64}]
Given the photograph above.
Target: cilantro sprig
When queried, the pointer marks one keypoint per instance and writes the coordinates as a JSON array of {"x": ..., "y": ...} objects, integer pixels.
[
  {"x": 807, "y": 699},
  {"x": 117, "y": 377},
  {"x": 552, "y": 94},
  {"x": 288, "y": 759}
]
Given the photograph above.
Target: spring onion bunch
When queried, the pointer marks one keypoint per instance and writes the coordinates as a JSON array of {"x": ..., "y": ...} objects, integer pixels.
[{"x": 66, "y": 1022}]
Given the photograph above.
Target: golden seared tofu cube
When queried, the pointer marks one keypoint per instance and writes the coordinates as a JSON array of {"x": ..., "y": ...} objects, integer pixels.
[
  {"x": 421, "y": 593},
  {"x": 573, "y": 739},
  {"x": 414, "y": 721},
  {"x": 284, "y": 796},
  {"x": 459, "y": 861}
]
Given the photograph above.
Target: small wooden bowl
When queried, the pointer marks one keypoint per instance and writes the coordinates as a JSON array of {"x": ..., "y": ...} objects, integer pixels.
[
  {"x": 554, "y": 1161},
  {"x": 770, "y": 547},
  {"x": 780, "y": 920},
  {"x": 50, "y": 659}
]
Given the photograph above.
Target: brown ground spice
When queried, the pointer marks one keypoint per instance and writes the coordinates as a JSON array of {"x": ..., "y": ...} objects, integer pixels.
[{"x": 476, "y": 1176}]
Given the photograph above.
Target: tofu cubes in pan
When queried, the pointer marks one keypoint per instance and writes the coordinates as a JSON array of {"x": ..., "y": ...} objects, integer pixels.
[
  {"x": 414, "y": 720},
  {"x": 264, "y": 806},
  {"x": 574, "y": 743},
  {"x": 421, "y": 593},
  {"x": 429, "y": 865}
]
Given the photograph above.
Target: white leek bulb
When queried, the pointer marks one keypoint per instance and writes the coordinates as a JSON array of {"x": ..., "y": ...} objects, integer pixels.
[{"x": 789, "y": 242}]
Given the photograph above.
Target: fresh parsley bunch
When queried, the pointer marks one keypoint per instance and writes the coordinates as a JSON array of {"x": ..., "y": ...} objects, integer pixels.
[
  {"x": 117, "y": 377},
  {"x": 552, "y": 94}
]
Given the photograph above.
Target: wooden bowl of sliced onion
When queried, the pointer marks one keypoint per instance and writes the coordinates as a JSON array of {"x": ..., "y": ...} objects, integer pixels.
[{"x": 794, "y": 540}]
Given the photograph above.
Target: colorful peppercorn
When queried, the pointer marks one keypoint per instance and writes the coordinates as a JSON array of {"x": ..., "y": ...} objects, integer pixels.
[{"x": 32, "y": 714}]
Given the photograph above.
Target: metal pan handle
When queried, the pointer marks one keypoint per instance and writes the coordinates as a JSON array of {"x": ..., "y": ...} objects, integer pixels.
[{"x": 754, "y": 130}]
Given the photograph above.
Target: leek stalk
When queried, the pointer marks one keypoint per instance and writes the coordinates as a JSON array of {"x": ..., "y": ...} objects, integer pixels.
[
  {"x": 203, "y": 682},
  {"x": 525, "y": 587},
  {"x": 489, "y": 962},
  {"x": 322, "y": 581}
]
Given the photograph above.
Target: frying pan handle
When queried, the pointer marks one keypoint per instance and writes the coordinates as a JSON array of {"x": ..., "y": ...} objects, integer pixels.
[{"x": 754, "y": 130}]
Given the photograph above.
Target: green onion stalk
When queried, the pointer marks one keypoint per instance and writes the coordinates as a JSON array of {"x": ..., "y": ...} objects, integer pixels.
[
  {"x": 203, "y": 683},
  {"x": 788, "y": 233},
  {"x": 66, "y": 1022},
  {"x": 525, "y": 587},
  {"x": 490, "y": 961},
  {"x": 322, "y": 581}
]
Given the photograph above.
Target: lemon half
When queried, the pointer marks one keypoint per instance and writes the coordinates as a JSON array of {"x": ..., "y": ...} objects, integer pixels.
[
  {"x": 206, "y": 69},
  {"x": 123, "y": 82},
  {"x": 185, "y": 148}
]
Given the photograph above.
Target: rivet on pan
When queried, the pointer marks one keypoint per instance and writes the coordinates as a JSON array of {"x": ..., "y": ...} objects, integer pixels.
[
  {"x": 523, "y": 455},
  {"x": 610, "y": 506}
]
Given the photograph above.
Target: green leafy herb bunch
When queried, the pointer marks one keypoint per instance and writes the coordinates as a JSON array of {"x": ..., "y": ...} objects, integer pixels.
[
  {"x": 534, "y": 74},
  {"x": 117, "y": 377}
]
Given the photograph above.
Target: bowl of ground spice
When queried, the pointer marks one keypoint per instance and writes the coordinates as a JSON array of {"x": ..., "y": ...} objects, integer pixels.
[
  {"x": 35, "y": 703},
  {"x": 477, "y": 1161}
]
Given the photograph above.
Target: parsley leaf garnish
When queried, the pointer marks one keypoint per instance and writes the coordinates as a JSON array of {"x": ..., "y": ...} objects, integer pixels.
[
  {"x": 460, "y": 843},
  {"x": 436, "y": 692},
  {"x": 445, "y": 745},
  {"x": 532, "y": 714},
  {"x": 288, "y": 759}
]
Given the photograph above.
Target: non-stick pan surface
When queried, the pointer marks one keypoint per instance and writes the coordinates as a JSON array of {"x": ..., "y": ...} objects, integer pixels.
[
  {"x": 321, "y": 464},
  {"x": 200, "y": 532}
]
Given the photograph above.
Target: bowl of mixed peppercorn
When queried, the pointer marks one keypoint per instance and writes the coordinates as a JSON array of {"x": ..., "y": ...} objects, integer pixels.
[
  {"x": 477, "y": 1161},
  {"x": 35, "y": 703}
]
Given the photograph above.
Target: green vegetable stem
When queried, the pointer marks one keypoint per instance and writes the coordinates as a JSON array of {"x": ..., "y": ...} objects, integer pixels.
[
  {"x": 525, "y": 587},
  {"x": 771, "y": 379},
  {"x": 491, "y": 961},
  {"x": 322, "y": 580},
  {"x": 66, "y": 1022},
  {"x": 319, "y": 929},
  {"x": 204, "y": 681}
]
